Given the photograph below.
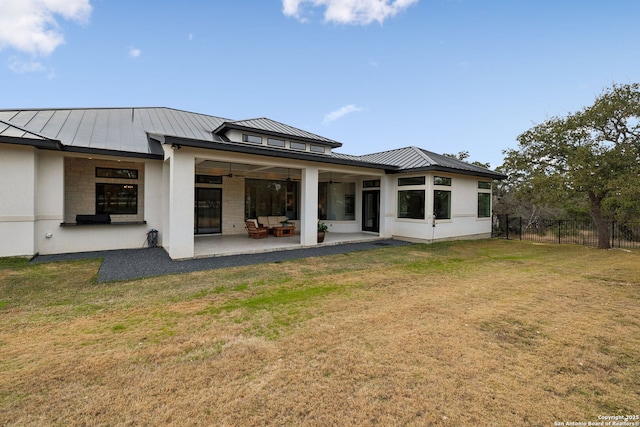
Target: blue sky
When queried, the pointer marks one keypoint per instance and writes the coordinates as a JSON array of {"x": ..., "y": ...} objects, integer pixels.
[{"x": 444, "y": 75}]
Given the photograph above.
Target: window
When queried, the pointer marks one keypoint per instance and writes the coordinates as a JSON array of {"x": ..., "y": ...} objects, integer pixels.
[
  {"x": 371, "y": 184},
  {"x": 275, "y": 142},
  {"x": 266, "y": 197},
  {"x": 442, "y": 204},
  {"x": 116, "y": 198},
  {"x": 417, "y": 180},
  {"x": 251, "y": 138},
  {"x": 297, "y": 145},
  {"x": 208, "y": 179},
  {"x": 411, "y": 204},
  {"x": 442, "y": 180},
  {"x": 117, "y": 173},
  {"x": 484, "y": 205},
  {"x": 337, "y": 201},
  {"x": 484, "y": 185},
  {"x": 317, "y": 148}
]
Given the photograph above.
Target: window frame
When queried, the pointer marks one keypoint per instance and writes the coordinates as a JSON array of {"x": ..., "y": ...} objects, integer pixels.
[
  {"x": 300, "y": 146},
  {"x": 116, "y": 173},
  {"x": 100, "y": 203},
  {"x": 275, "y": 142},
  {"x": 487, "y": 211},
  {"x": 437, "y": 209},
  {"x": 406, "y": 213},
  {"x": 412, "y": 180},
  {"x": 444, "y": 181},
  {"x": 331, "y": 198},
  {"x": 246, "y": 137}
]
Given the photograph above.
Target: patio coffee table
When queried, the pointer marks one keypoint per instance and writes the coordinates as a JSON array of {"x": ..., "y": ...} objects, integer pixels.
[{"x": 283, "y": 231}]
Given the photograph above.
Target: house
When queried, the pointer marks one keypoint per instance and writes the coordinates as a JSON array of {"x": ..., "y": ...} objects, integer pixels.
[{"x": 98, "y": 179}]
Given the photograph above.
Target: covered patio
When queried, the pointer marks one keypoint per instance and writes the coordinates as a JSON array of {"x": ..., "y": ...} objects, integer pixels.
[{"x": 236, "y": 244}]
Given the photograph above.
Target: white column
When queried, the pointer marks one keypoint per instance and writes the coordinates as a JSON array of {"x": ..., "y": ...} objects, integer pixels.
[
  {"x": 388, "y": 206},
  {"x": 309, "y": 210},
  {"x": 181, "y": 200}
]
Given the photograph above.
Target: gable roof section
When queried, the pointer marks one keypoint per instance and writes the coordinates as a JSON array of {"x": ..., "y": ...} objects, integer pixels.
[{"x": 274, "y": 128}]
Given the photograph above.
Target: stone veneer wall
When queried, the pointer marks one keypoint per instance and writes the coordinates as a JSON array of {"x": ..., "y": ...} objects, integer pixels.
[
  {"x": 233, "y": 205},
  {"x": 80, "y": 187}
]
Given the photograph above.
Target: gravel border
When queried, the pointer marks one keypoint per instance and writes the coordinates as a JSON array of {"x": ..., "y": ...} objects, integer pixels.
[{"x": 128, "y": 264}]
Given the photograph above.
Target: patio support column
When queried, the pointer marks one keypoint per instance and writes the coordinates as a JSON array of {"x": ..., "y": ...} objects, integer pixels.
[
  {"x": 309, "y": 210},
  {"x": 181, "y": 200},
  {"x": 387, "y": 205}
]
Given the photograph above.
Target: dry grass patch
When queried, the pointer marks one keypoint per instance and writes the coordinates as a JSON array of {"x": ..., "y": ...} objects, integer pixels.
[{"x": 464, "y": 333}]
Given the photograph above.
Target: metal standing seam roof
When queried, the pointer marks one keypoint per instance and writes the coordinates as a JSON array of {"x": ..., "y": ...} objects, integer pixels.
[
  {"x": 417, "y": 159},
  {"x": 10, "y": 131},
  {"x": 128, "y": 130},
  {"x": 264, "y": 124},
  {"x": 113, "y": 129}
]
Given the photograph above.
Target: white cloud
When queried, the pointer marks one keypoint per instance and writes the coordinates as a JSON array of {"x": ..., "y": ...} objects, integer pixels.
[
  {"x": 341, "y": 112},
  {"x": 31, "y": 26},
  {"x": 360, "y": 12},
  {"x": 134, "y": 52},
  {"x": 20, "y": 67}
]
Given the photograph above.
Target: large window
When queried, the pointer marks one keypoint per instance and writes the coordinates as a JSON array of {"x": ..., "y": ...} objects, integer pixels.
[
  {"x": 484, "y": 205},
  {"x": 484, "y": 199},
  {"x": 266, "y": 197},
  {"x": 411, "y": 204},
  {"x": 116, "y": 198},
  {"x": 337, "y": 201},
  {"x": 442, "y": 204}
]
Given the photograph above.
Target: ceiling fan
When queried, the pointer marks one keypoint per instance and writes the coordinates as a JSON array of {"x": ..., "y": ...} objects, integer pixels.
[{"x": 289, "y": 179}]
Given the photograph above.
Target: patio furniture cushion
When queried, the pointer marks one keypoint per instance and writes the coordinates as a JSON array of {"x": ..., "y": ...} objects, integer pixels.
[
  {"x": 272, "y": 221},
  {"x": 256, "y": 232}
]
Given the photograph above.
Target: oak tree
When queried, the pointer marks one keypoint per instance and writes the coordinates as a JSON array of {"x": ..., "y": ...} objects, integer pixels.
[{"x": 591, "y": 156}]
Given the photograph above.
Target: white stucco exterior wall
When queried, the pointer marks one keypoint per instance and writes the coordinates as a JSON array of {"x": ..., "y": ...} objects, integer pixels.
[
  {"x": 49, "y": 201},
  {"x": 17, "y": 200},
  {"x": 464, "y": 222}
]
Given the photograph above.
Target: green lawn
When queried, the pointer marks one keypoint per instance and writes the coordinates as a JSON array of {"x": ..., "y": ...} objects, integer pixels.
[{"x": 486, "y": 332}]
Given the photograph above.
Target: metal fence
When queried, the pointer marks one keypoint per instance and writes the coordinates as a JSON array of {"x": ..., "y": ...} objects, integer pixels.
[{"x": 622, "y": 235}]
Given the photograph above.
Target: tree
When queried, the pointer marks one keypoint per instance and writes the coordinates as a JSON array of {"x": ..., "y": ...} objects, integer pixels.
[
  {"x": 464, "y": 155},
  {"x": 591, "y": 156}
]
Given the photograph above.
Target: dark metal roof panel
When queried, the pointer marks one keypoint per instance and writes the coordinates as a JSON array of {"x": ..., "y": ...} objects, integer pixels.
[
  {"x": 414, "y": 159},
  {"x": 10, "y": 131},
  {"x": 268, "y": 125}
]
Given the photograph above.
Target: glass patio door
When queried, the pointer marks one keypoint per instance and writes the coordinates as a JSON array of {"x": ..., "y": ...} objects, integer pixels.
[
  {"x": 371, "y": 211},
  {"x": 208, "y": 211}
]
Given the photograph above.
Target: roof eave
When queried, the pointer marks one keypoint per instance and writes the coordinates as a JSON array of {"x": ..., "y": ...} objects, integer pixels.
[
  {"x": 438, "y": 168},
  {"x": 264, "y": 151},
  {"x": 46, "y": 144}
]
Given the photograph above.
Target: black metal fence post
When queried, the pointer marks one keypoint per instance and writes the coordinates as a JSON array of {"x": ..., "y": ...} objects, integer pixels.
[{"x": 559, "y": 226}]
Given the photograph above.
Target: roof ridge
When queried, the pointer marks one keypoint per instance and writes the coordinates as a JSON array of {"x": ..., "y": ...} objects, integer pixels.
[{"x": 424, "y": 155}]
